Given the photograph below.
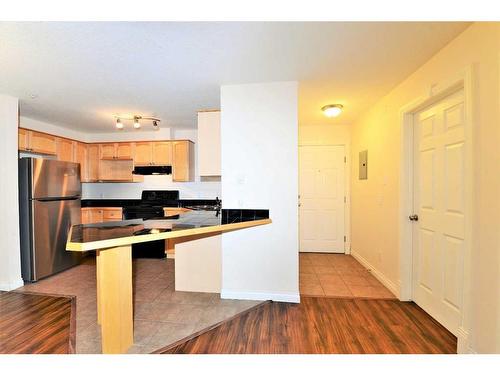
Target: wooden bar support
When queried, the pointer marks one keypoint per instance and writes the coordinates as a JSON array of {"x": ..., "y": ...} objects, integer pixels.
[{"x": 114, "y": 297}]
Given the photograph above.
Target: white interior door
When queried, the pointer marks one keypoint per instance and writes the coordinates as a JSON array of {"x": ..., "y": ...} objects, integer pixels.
[
  {"x": 321, "y": 198},
  {"x": 439, "y": 201}
]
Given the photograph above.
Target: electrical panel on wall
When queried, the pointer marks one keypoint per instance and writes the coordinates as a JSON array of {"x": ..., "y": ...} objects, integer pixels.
[{"x": 363, "y": 165}]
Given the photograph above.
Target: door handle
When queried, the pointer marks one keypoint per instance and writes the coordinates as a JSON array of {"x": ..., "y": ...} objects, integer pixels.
[{"x": 413, "y": 217}]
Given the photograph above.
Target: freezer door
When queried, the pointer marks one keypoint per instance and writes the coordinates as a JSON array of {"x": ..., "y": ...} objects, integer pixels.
[
  {"x": 54, "y": 179},
  {"x": 51, "y": 223}
]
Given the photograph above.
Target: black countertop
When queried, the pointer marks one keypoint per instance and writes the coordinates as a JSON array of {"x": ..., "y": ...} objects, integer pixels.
[{"x": 85, "y": 233}]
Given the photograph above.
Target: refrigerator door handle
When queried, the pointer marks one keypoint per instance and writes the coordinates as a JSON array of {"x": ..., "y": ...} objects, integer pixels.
[{"x": 57, "y": 199}]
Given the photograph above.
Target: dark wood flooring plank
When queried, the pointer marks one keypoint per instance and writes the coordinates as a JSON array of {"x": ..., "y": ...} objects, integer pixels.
[
  {"x": 34, "y": 323},
  {"x": 325, "y": 325}
]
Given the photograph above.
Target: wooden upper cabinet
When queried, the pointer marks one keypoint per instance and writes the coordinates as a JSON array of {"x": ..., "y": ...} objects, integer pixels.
[
  {"x": 22, "y": 137},
  {"x": 81, "y": 157},
  {"x": 162, "y": 153},
  {"x": 65, "y": 149},
  {"x": 183, "y": 161},
  {"x": 124, "y": 151},
  {"x": 112, "y": 151},
  {"x": 107, "y": 151},
  {"x": 42, "y": 143},
  {"x": 143, "y": 154},
  {"x": 33, "y": 141},
  {"x": 92, "y": 162}
]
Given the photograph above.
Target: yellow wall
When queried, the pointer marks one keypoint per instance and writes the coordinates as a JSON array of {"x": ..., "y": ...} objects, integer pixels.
[
  {"x": 324, "y": 134},
  {"x": 375, "y": 202}
]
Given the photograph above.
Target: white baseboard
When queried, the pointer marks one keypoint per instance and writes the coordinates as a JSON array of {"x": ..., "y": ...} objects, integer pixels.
[
  {"x": 379, "y": 275},
  {"x": 260, "y": 296},
  {"x": 463, "y": 344},
  {"x": 11, "y": 285}
]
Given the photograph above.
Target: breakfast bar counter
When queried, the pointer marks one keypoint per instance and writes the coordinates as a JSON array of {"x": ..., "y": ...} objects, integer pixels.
[{"x": 112, "y": 242}]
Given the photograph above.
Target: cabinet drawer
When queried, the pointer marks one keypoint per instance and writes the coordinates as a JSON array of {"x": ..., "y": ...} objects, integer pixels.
[{"x": 112, "y": 215}]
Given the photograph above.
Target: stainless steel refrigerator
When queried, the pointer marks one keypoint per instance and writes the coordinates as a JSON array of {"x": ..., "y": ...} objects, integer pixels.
[{"x": 49, "y": 203}]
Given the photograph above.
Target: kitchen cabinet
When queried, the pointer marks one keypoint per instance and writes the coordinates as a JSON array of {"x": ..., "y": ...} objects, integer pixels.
[
  {"x": 182, "y": 161},
  {"x": 162, "y": 153},
  {"x": 116, "y": 170},
  {"x": 37, "y": 142},
  {"x": 143, "y": 153},
  {"x": 112, "y": 214},
  {"x": 81, "y": 157},
  {"x": 42, "y": 143},
  {"x": 113, "y": 161},
  {"x": 65, "y": 149},
  {"x": 22, "y": 137},
  {"x": 153, "y": 153},
  {"x": 209, "y": 146},
  {"x": 113, "y": 151},
  {"x": 101, "y": 214},
  {"x": 92, "y": 163}
]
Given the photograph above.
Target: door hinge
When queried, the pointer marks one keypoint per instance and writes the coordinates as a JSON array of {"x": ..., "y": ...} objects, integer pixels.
[
  {"x": 345, "y": 199},
  {"x": 344, "y": 239},
  {"x": 345, "y": 159}
]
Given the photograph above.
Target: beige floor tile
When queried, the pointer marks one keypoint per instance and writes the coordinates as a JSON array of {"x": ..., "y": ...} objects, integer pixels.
[
  {"x": 355, "y": 280},
  {"x": 332, "y": 279},
  {"x": 193, "y": 298},
  {"x": 308, "y": 278},
  {"x": 177, "y": 313},
  {"x": 373, "y": 281},
  {"x": 143, "y": 331},
  {"x": 307, "y": 269},
  {"x": 304, "y": 261},
  {"x": 370, "y": 291},
  {"x": 319, "y": 260},
  {"x": 349, "y": 271},
  {"x": 324, "y": 270},
  {"x": 215, "y": 314},
  {"x": 311, "y": 289},
  {"x": 168, "y": 333},
  {"x": 337, "y": 290}
]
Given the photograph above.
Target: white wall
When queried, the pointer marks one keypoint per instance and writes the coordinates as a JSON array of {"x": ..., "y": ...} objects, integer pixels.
[
  {"x": 45, "y": 127},
  {"x": 10, "y": 261},
  {"x": 259, "y": 138}
]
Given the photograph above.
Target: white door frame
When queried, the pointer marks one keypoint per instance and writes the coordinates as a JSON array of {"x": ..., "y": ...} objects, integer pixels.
[
  {"x": 463, "y": 80},
  {"x": 347, "y": 190}
]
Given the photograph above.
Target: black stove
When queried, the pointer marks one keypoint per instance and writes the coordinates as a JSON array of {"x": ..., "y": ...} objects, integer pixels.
[{"x": 151, "y": 206}]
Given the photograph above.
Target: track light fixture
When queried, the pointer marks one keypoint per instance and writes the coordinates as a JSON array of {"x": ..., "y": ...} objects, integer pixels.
[
  {"x": 119, "y": 124},
  {"x": 137, "y": 124},
  {"x": 137, "y": 121}
]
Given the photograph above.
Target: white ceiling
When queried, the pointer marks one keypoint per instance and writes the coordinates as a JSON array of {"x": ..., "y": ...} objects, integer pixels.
[{"x": 84, "y": 73}]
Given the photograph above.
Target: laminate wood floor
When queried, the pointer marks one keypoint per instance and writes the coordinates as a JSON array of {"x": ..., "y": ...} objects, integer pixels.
[
  {"x": 325, "y": 325},
  {"x": 36, "y": 323}
]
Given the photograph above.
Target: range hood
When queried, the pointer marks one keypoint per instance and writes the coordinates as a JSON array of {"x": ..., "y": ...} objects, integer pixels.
[{"x": 153, "y": 170}]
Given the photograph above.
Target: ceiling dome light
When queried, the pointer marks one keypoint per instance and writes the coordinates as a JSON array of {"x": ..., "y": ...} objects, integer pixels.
[
  {"x": 332, "y": 110},
  {"x": 119, "y": 124},
  {"x": 137, "y": 124}
]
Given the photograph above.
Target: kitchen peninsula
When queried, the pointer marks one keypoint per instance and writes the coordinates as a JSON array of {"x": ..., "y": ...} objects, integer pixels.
[{"x": 112, "y": 242}]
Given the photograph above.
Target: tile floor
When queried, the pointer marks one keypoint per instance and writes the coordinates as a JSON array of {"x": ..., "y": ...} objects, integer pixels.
[
  {"x": 161, "y": 315},
  {"x": 337, "y": 275}
]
